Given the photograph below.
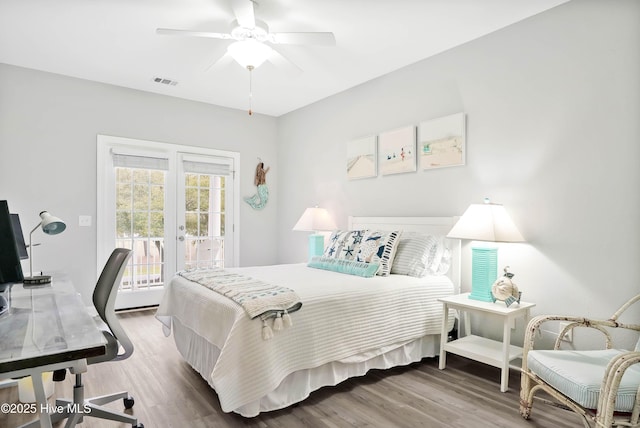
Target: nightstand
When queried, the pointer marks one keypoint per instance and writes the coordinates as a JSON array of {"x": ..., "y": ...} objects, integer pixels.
[{"x": 488, "y": 351}]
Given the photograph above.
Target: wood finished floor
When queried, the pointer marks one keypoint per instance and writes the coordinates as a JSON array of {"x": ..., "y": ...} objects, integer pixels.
[{"x": 169, "y": 393}]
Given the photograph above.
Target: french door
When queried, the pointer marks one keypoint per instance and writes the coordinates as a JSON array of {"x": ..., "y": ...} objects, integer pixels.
[
  {"x": 203, "y": 210},
  {"x": 174, "y": 206}
]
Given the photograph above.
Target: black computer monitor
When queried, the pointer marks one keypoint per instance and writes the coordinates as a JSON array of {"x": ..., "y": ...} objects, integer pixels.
[
  {"x": 17, "y": 230},
  {"x": 10, "y": 267}
]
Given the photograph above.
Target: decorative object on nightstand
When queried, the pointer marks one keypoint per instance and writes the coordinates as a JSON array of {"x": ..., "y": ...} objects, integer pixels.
[
  {"x": 315, "y": 220},
  {"x": 505, "y": 289},
  {"x": 51, "y": 226},
  {"x": 485, "y": 222}
]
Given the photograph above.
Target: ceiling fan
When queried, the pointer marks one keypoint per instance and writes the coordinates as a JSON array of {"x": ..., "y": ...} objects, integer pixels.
[{"x": 252, "y": 40}]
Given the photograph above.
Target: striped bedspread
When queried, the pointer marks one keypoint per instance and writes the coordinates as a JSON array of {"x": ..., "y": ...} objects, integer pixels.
[{"x": 344, "y": 316}]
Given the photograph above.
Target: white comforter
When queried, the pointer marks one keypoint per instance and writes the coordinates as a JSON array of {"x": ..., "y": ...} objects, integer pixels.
[{"x": 341, "y": 316}]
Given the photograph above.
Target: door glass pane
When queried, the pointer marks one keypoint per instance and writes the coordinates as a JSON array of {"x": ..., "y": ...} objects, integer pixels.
[
  {"x": 140, "y": 219},
  {"x": 203, "y": 227},
  {"x": 204, "y": 215}
]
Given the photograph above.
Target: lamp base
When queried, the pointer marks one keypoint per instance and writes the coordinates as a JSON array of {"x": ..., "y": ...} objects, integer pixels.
[
  {"x": 37, "y": 280},
  {"x": 316, "y": 245},
  {"x": 484, "y": 272}
]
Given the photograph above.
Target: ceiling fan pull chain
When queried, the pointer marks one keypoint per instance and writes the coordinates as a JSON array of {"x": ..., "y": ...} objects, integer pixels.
[{"x": 250, "y": 68}]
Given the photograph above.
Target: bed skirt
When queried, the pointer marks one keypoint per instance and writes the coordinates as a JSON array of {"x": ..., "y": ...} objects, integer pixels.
[{"x": 202, "y": 356}]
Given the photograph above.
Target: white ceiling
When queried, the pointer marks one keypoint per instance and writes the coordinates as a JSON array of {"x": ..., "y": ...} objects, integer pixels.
[{"x": 114, "y": 41}]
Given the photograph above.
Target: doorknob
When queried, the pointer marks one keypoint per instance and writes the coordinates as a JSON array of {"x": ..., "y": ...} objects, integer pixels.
[
  {"x": 181, "y": 227},
  {"x": 180, "y": 238}
]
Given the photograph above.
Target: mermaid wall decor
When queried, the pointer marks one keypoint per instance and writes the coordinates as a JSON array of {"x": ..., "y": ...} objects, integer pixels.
[{"x": 259, "y": 200}]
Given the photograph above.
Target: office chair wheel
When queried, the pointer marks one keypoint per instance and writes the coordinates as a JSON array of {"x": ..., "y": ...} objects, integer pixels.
[
  {"x": 137, "y": 426},
  {"x": 128, "y": 402}
]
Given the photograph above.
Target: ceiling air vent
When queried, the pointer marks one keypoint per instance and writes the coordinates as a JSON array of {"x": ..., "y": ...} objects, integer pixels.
[{"x": 165, "y": 81}]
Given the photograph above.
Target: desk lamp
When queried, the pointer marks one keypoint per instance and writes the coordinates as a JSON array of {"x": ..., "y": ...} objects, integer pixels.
[
  {"x": 315, "y": 220},
  {"x": 485, "y": 222},
  {"x": 51, "y": 226}
]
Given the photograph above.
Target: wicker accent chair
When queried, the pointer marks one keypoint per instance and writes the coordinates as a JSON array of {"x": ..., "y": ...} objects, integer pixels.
[{"x": 602, "y": 386}]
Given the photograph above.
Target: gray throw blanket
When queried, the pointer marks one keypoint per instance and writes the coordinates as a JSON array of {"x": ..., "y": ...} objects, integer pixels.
[{"x": 257, "y": 298}]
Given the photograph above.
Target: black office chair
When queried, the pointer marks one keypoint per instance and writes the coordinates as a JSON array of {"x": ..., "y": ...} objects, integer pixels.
[{"x": 104, "y": 297}]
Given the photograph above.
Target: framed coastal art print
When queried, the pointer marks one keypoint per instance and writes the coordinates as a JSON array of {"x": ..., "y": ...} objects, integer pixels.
[
  {"x": 441, "y": 141},
  {"x": 397, "y": 150},
  {"x": 361, "y": 158}
]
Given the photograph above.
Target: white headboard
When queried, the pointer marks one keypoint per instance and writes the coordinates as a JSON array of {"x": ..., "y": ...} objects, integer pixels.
[{"x": 437, "y": 226}]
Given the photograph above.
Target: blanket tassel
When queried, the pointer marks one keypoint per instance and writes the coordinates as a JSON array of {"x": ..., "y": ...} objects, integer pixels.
[
  {"x": 286, "y": 319},
  {"x": 277, "y": 323},
  {"x": 267, "y": 333}
]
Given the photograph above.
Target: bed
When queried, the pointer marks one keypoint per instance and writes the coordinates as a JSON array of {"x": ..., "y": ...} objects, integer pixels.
[{"x": 346, "y": 326}]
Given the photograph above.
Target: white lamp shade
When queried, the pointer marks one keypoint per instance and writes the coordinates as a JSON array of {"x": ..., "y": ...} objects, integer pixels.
[
  {"x": 486, "y": 222},
  {"x": 315, "y": 219},
  {"x": 249, "y": 52},
  {"x": 51, "y": 225}
]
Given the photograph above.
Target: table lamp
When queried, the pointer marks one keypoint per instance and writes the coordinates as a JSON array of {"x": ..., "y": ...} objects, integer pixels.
[
  {"x": 315, "y": 220},
  {"x": 485, "y": 222},
  {"x": 51, "y": 226}
]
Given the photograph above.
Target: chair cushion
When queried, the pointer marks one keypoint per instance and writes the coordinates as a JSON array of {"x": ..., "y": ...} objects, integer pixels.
[{"x": 579, "y": 374}]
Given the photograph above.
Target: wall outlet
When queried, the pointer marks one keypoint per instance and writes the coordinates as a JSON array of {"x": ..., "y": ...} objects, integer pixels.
[
  {"x": 568, "y": 337},
  {"x": 84, "y": 221}
]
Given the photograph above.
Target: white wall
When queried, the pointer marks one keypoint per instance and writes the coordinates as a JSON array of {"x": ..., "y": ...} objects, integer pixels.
[
  {"x": 48, "y": 128},
  {"x": 552, "y": 108}
]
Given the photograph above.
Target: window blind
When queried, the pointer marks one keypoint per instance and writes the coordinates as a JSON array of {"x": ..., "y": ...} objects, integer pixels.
[
  {"x": 208, "y": 165},
  {"x": 140, "y": 161},
  {"x": 192, "y": 164}
]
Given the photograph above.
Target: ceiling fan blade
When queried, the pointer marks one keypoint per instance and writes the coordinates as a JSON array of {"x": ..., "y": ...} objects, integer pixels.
[
  {"x": 318, "y": 39},
  {"x": 243, "y": 10},
  {"x": 283, "y": 63},
  {"x": 172, "y": 32}
]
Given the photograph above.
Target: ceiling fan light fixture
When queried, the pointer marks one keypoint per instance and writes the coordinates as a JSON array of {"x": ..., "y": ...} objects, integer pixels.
[
  {"x": 249, "y": 52},
  {"x": 259, "y": 32}
]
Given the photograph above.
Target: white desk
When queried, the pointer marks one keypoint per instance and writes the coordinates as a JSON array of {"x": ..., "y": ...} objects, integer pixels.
[
  {"x": 47, "y": 328},
  {"x": 492, "y": 352}
]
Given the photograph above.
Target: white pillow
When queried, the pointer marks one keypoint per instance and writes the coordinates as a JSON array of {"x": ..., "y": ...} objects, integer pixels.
[
  {"x": 445, "y": 261},
  {"x": 420, "y": 254}
]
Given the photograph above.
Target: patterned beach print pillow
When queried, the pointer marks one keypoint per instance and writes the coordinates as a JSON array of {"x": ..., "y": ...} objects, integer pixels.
[
  {"x": 344, "y": 244},
  {"x": 379, "y": 247}
]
